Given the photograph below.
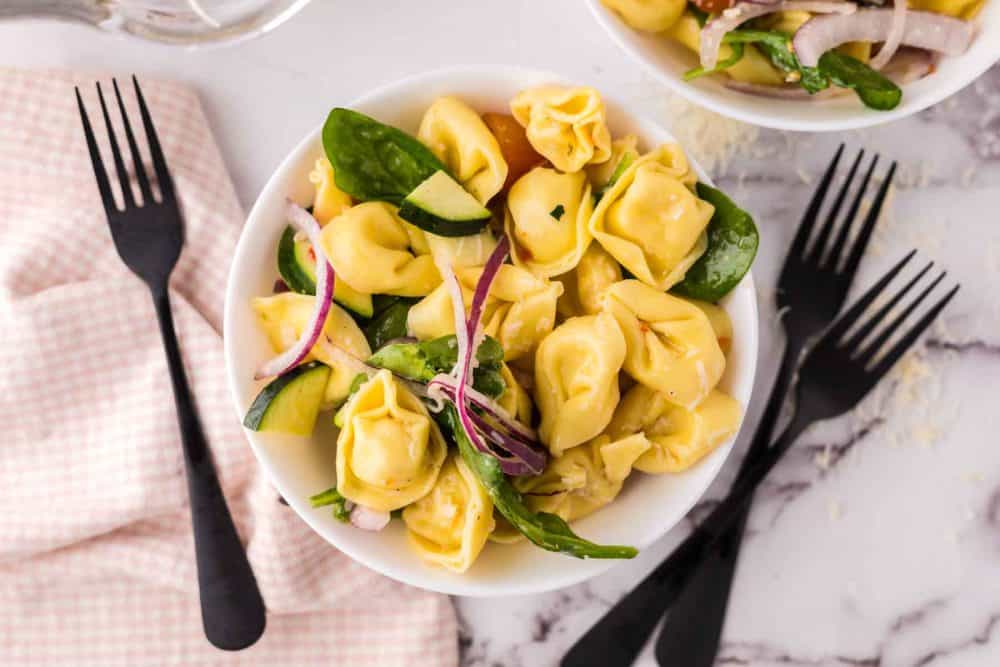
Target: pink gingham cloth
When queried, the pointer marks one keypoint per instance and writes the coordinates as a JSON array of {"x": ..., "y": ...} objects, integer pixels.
[{"x": 96, "y": 553}]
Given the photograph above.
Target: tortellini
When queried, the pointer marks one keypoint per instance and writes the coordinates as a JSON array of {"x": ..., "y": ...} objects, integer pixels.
[
  {"x": 371, "y": 250},
  {"x": 671, "y": 344},
  {"x": 648, "y": 15},
  {"x": 962, "y": 9},
  {"x": 459, "y": 137},
  {"x": 583, "y": 479},
  {"x": 584, "y": 286},
  {"x": 721, "y": 324},
  {"x": 547, "y": 215},
  {"x": 679, "y": 437},
  {"x": 390, "y": 451},
  {"x": 515, "y": 400},
  {"x": 576, "y": 380},
  {"x": 329, "y": 201},
  {"x": 753, "y": 67},
  {"x": 283, "y": 318},
  {"x": 651, "y": 221},
  {"x": 519, "y": 312},
  {"x": 567, "y": 126},
  {"x": 449, "y": 526},
  {"x": 625, "y": 148}
]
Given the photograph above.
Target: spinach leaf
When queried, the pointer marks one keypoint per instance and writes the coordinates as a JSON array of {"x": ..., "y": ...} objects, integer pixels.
[
  {"x": 422, "y": 361},
  {"x": 388, "y": 323},
  {"x": 373, "y": 161},
  {"x": 734, "y": 57},
  {"x": 547, "y": 531},
  {"x": 875, "y": 90},
  {"x": 732, "y": 246},
  {"x": 331, "y": 497},
  {"x": 776, "y": 46}
]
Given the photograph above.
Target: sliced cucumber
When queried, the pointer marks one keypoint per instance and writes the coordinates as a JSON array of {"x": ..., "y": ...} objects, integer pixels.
[
  {"x": 290, "y": 403},
  {"x": 440, "y": 205},
  {"x": 297, "y": 267}
]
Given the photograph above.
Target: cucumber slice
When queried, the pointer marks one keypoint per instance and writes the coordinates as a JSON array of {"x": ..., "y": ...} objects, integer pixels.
[
  {"x": 297, "y": 267},
  {"x": 290, "y": 403},
  {"x": 440, "y": 205}
]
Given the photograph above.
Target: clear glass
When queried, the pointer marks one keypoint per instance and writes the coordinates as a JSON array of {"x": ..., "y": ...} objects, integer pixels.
[{"x": 183, "y": 22}]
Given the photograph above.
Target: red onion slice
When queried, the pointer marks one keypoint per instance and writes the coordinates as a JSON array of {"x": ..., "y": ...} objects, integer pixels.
[
  {"x": 448, "y": 385},
  {"x": 287, "y": 360},
  {"x": 741, "y": 12},
  {"x": 924, "y": 30},
  {"x": 366, "y": 518},
  {"x": 894, "y": 38}
]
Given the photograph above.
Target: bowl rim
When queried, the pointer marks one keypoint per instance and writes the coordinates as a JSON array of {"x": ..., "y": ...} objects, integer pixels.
[
  {"x": 609, "y": 22},
  {"x": 301, "y": 506}
]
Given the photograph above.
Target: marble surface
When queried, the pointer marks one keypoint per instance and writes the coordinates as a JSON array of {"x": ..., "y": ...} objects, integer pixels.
[{"x": 877, "y": 540}]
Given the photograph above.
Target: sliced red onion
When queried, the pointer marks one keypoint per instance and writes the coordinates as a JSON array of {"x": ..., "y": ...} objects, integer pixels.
[
  {"x": 448, "y": 385},
  {"x": 280, "y": 287},
  {"x": 344, "y": 358},
  {"x": 894, "y": 38},
  {"x": 908, "y": 65},
  {"x": 741, "y": 12},
  {"x": 366, "y": 518},
  {"x": 287, "y": 360},
  {"x": 924, "y": 30}
]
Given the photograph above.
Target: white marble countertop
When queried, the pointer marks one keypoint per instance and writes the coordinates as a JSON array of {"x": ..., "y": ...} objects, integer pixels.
[{"x": 877, "y": 541}]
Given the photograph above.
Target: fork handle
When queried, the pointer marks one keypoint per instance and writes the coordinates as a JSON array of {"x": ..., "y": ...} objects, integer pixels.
[
  {"x": 619, "y": 636},
  {"x": 232, "y": 610},
  {"x": 692, "y": 630}
]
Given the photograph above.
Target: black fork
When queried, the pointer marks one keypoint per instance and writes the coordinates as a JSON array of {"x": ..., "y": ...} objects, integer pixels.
[
  {"x": 148, "y": 236},
  {"x": 812, "y": 288},
  {"x": 836, "y": 374}
]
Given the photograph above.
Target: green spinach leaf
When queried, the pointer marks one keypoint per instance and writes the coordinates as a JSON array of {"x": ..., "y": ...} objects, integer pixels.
[
  {"x": 422, "y": 361},
  {"x": 373, "y": 161},
  {"x": 388, "y": 323},
  {"x": 734, "y": 57},
  {"x": 547, "y": 531},
  {"x": 332, "y": 498},
  {"x": 732, "y": 246},
  {"x": 875, "y": 90}
]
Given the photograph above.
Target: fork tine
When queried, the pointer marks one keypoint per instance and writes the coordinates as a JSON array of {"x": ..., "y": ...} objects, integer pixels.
[
  {"x": 866, "y": 329},
  {"x": 123, "y": 178},
  {"x": 871, "y": 350},
  {"x": 816, "y": 254},
  {"x": 812, "y": 212},
  {"x": 140, "y": 170},
  {"x": 103, "y": 186},
  {"x": 851, "y": 315},
  {"x": 865, "y": 235},
  {"x": 155, "y": 151},
  {"x": 836, "y": 251},
  {"x": 904, "y": 344}
]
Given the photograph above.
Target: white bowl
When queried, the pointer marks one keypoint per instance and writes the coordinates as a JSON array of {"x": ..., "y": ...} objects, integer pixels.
[
  {"x": 647, "y": 508},
  {"x": 667, "y": 61}
]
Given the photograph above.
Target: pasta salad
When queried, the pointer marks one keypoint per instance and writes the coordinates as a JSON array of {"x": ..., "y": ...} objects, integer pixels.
[
  {"x": 811, "y": 49},
  {"x": 507, "y": 315}
]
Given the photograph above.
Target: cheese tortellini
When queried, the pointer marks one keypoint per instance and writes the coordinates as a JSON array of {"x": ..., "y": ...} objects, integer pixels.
[
  {"x": 390, "y": 451},
  {"x": 671, "y": 344},
  {"x": 584, "y": 478},
  {"x": 520, "y": 309},
  {"x": 449, "y": 526},
  {"x": 547, "y": 215},
  {"x": 371, "y": 250},
  {"x": 576, "y": 380},
  {"x": 648, "y": 15},
  {"x": 329, "y": 201},
  {"x": 679, "y": 437},
  {"x": 651, "y": 221},
  {"x": 567, "y": 126},
  {"x": 515, "y": 400},
  {"x": 459, "y": 137},
  {"x": 583, "y": 287},
  {"x": 283, "y": 317}
]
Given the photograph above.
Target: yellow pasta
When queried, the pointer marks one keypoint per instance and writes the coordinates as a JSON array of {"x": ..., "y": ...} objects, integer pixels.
[
  {"x": 651, "y": 221},
  {"x": 679, "y": 437},
  {"x": 519, "y": 311},
  {"x": 753, "y": 67},
  {"x": 648, "y": 15},
  {"x": 329, "y": 201},
  {"x": 671, "y": 344},
  {"x": 624, "y": 148},
  {"x": 390, "y": 451},
  {"x": 567, "y": 126},
  {"x": 449, "y": 526},
  {"x": 547, "y": 215},
  {"x": 583, "y": 287},
  {"x": 459, "y": 137},
  {"x": 576, "y": 380},
  {"x": 371, "y": 250},
  {"x": 283, "y": 317},
  {"x": 515, "y": 400}
]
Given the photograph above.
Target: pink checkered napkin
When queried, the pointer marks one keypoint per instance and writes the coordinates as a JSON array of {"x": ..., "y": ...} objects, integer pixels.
[{"x": 96, "y": 555}]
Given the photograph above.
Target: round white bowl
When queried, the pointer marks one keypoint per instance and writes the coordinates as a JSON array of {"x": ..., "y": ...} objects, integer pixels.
[
  {"x": 667, "y": 61},
  {"x": 648, "y": 507}
]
